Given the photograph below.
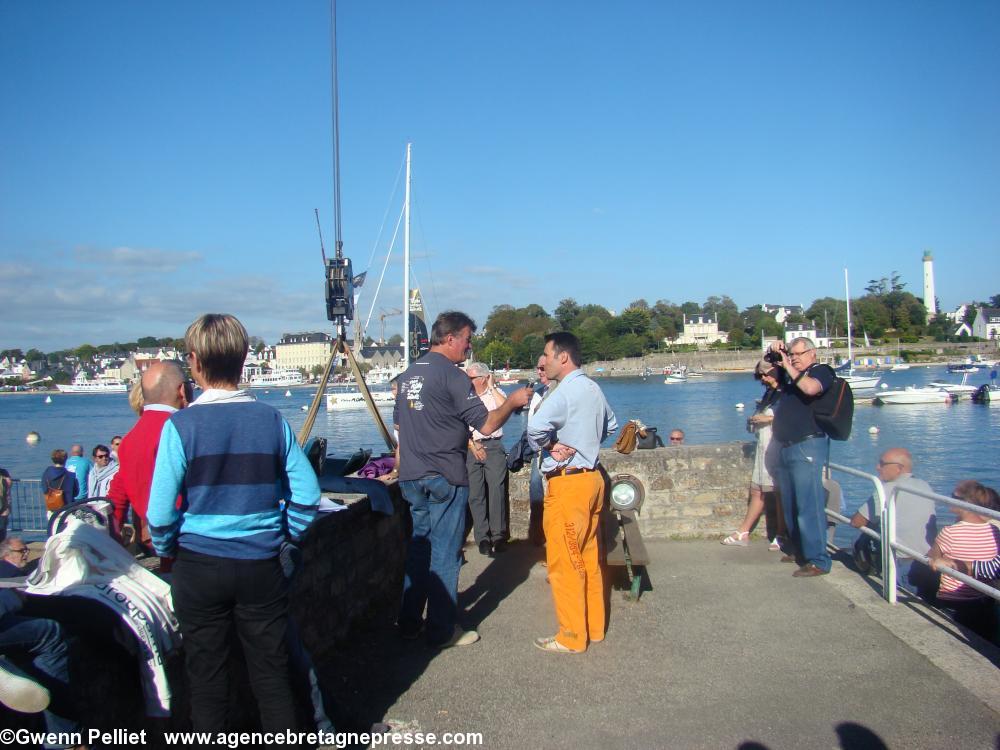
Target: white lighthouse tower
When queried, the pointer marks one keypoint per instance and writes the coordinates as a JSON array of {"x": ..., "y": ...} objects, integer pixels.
[{"x": 929, "y": 302}]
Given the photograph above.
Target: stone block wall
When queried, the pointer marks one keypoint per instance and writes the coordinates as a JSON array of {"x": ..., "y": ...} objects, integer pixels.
[{"x": 690, "y": 491}]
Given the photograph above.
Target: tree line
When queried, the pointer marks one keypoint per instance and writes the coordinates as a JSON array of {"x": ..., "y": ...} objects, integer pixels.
[{"x": 515, "y": 335}]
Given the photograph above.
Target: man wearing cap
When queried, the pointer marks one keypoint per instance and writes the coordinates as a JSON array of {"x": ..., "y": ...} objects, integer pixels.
[{"x": 569, "y": 425}]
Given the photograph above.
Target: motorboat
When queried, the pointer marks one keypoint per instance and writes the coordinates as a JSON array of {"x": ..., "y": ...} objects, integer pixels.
[
  {"x": 100, "y": 384},
  {"x": 956, "y": 389},
  {"x": 862, "y": 382},
  {"x": 675, "y": 379},
  {"x": 900, "y": 366},
  {"x": 277, "y": 379},
  {"x": 914, "y": 395},
  {"x": 962, "y": 367},
  {"x": 347, "y": 399}
]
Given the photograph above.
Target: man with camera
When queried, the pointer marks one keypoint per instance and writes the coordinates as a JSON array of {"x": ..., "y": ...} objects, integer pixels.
[{"x": 804, "y": 451}]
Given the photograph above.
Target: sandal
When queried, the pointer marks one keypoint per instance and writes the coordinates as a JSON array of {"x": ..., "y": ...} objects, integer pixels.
[
  {"x": 551, "y": 644},
  {"x": 737, "y": 539},
  {"x": 774, "y": 546}
]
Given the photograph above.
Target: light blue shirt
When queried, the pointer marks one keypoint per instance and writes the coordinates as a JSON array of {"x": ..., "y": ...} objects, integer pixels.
[
  {"x": 81, "y": 467},
  {"x": 576, "y": 414}
]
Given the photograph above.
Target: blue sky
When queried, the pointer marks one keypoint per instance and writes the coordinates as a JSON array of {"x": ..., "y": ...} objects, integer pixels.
[{"x": 160, "y": 160}]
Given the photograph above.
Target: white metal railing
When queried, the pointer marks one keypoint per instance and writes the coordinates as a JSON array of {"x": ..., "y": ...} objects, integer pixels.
[{"x": 885, "y": 504}]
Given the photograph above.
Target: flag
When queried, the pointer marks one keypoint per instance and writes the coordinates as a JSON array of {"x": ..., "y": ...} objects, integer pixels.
[
  {"x": 867, "y": 343},
  {"x": 358, "y": 281}
]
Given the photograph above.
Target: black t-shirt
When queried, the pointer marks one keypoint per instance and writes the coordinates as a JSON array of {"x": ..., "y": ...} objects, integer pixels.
[
  {"x": 793, "y": 417},
  {"x": 435, "y": 408}
]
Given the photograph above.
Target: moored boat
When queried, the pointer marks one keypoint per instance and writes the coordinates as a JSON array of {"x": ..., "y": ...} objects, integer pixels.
[
  {"x": 914, "y": 395},
  {"x": 277, "y": 379},
  {"x": 100, "y": 384}
]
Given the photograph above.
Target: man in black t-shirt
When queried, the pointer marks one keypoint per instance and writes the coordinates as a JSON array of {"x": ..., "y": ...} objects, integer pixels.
[
  {"x": 805, "y": 450},
  {"x": 435, "y": 408}
]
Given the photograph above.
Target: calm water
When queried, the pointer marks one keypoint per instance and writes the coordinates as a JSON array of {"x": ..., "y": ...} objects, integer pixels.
[{"x": 948, "y": 442}]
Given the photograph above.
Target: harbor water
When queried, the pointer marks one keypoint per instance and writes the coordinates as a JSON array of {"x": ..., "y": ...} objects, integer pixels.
[{"x": 949, "y": 442}]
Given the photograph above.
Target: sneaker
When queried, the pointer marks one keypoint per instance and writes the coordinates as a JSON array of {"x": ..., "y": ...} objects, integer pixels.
[
  {"x": 460, "y": 638},
  {"x": 21, "y": 693},
  {"x": 774, "y": 546}
]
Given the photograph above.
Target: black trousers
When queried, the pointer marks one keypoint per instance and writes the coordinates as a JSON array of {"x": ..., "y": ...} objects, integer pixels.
[{"x": 211, "y": 594}]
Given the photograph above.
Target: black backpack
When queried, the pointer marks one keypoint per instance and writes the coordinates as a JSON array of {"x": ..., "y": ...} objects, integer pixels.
[{"x": 833, "y": 409}]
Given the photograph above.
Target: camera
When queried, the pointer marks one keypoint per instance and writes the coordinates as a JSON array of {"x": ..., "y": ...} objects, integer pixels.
[{"x": 773, "y": 357}]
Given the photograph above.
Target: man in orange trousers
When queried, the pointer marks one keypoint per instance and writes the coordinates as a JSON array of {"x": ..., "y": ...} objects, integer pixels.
[{"x": 569, "y": 425}]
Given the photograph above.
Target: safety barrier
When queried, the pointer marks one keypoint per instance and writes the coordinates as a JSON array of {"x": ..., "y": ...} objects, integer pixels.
[
  {"x": 885, "y": 504},
  {"x": 27, "y": 508}
]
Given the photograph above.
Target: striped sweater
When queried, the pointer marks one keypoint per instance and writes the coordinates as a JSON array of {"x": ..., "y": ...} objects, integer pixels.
[{"x": 233, "y": 460}]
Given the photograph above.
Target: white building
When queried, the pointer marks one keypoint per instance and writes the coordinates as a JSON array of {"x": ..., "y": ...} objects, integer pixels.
[
  {"x": 929, "y": 302},
  {"x": 701, "y": 330},
  {"x": 781, "y": 312},
  {"x": 821, "y": 339},
  {"x": 987, "y": 324}
]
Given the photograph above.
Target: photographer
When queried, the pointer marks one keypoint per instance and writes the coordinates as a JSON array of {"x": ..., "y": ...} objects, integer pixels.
[{"x": 804, "y": 451}]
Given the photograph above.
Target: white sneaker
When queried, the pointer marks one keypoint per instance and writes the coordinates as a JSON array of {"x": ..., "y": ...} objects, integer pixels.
[
  {"x": 21, "y": 693},
  {"x": 461, "y": 638}
]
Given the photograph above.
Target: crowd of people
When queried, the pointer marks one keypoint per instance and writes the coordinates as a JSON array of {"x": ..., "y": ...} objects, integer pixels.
[
  {"x": 220, "y": 489},
  {"x": 790, "y": 481}
]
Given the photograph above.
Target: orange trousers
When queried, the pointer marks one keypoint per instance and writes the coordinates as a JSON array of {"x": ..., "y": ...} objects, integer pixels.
[{"x": 572, "y": 506}]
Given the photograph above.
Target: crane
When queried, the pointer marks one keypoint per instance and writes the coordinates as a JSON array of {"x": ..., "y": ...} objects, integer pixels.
[{"x": 381, "y": 319}]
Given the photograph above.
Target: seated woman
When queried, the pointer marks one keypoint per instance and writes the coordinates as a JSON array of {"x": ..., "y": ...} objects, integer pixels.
[
  {"x": 765, "y": 465},
  {"x": 960, "y": 546}
]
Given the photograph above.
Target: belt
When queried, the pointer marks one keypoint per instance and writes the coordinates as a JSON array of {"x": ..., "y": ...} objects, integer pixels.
[
  {"x": 810, "y": 436},
  {"x": 565, "y": 472}
]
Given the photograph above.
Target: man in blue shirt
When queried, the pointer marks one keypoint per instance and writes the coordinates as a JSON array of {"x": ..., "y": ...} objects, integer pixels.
[
  {"x": 805, "y": 450},
  {"x": 570, "y": 424},
  {"x": 81, "y": 466}
]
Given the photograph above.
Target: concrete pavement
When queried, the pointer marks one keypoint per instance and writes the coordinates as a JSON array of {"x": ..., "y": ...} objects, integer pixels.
[{"x": 726, "y": 651}]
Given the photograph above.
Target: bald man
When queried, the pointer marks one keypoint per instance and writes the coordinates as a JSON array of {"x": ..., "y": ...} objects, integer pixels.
[
  {"x": 916, "y": 517},
  {"x": 165, "y": 389}
]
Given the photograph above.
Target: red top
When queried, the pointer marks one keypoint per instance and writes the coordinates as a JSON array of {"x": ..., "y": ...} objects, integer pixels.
[
  {"x": 964, "y": 541},
  {"x": 137, "y": 458}
]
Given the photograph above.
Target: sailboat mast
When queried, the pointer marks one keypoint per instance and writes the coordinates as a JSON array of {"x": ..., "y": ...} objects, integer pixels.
[
  {"x": 850, "y": 347},
  {"x": 406, "y": 265}
]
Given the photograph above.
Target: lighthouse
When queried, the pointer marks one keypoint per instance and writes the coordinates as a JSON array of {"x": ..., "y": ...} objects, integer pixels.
[{"x": 929, "y": 302}]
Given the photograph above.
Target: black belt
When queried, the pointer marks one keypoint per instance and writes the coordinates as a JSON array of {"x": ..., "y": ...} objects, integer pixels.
[
  {"x": 567, "y": 471},
  {"x": 810, "y": 436}
]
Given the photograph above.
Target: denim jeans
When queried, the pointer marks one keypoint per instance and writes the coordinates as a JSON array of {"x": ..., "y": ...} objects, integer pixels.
[
  {"x": 804, "y": 500},
  {"x": 433, "y": 558},
  {"x": 43, "y": 641}
]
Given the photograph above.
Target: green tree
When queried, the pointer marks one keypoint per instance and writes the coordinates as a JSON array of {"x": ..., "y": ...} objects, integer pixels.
[
  {"x": 566, "y": 313},
  {"x": 496, "y": 353},
  {"x": 395, "y": 340},
  {"x": 148, "y": 342},
  {"x": 86, "y": 352},
  {"x": 34, "y": 354}
]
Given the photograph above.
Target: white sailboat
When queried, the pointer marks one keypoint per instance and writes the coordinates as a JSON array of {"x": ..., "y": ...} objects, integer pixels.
[{"x": 860, "y": 384}]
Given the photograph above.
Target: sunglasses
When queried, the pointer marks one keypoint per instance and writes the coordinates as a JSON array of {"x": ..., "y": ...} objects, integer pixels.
[
  {"x": 101, "y": 455},
  {"x": 676, "y": 439}
]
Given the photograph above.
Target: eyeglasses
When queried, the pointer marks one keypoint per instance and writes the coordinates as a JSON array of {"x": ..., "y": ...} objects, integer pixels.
[
  {"x": 102, "y": 455},
  {"x": 799, "y": 353},
  {"x": 882, "y": 463},
  {"x": 22, "y": 551},
  {"x": 675, "y": 439}
]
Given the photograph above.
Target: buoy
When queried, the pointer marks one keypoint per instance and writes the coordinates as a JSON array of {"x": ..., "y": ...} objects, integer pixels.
[
  {"x": 739, "y": 405},
  {"x": 48, "y": 399},
  {"x": 873, "y": 430},
  {"x": 884, "y": 385},
  {"x": 287, "y": 394},
  {"x": 304, "y": 407},
  {"x": 33, "y": 437}
]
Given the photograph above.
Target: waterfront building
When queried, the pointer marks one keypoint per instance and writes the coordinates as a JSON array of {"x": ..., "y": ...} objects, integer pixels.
[
  {"x": 702, "y": 329},
  {"x": 302, "y": 351},
  {"x": 820, "y": 338},
  {"x": 987, "y": 324}
]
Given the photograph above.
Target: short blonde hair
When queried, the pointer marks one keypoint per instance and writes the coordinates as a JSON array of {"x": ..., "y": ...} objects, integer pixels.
[
  {"x": 221, "y": 344},
  {"x": 135, "y": 399}
]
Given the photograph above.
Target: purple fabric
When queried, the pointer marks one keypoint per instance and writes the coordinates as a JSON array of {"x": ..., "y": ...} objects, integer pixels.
[{"x": 377, "y": 467}]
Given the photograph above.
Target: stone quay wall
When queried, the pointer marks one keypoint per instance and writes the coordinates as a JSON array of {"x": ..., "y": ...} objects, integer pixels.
[{"x": 690, "y": 491}]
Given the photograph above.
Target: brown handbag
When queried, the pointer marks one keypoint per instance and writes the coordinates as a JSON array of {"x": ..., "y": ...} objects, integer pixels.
[{"x": 625, "y": 443}]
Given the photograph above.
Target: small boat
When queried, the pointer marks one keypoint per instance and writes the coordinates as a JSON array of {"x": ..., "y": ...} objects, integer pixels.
[
  {"x": 900, "y": 366},
  {"x": 914, "y": 395},
  {"x": 675, "y": 379},
  {"x": 963, "y": 368},
  {"x": 955, "y": 389},
  {"x": 343, "y": 400}
]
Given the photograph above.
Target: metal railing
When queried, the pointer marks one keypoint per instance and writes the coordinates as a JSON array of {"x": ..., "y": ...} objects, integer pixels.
[
  {"x": 885, "y": 505},
  {"x": 27, "y": 508}
]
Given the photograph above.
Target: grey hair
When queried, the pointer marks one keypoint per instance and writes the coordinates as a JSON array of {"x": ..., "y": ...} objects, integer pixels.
[
  {"x": 5, "y": 545},
  {"x": 477, "y": 370},
  {"x": 804, "y": 340}
]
